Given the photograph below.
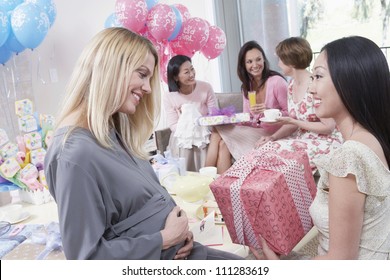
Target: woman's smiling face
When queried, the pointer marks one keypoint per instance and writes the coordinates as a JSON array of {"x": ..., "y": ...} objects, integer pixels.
[
  {"x": 139, "y": 85},
  {"x": 254, "y": 62},
  {"x": 328, "y": 103}
]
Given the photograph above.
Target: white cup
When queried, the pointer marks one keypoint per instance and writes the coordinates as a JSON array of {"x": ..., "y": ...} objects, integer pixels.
[
  {"x": 272, "y": 114},
  {"x": 11, "y": 213},
  {"x": 208, "y": 171}
]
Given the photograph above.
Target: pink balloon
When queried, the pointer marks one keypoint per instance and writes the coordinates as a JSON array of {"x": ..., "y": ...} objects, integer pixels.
[
  {"x": 177, "y": 47},
  {"x": 160, "y": 46},
  {"x": 195, "y": 34},
  {"x": 161, "y": 21},
  {"x": 185, "y": 14},
  {"x": 132, "y": 14},
  {"x": 163, "y": 68},
  {"x": 215, "y": 44}
]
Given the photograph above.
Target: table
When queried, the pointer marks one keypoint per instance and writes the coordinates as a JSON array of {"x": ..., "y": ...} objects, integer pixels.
[
  {"x": 46, "y": 213},
  {"x": 190, "y": 209}
]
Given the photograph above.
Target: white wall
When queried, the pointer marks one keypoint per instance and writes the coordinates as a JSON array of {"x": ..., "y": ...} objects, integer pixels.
[{"x": 76, "y": 23}]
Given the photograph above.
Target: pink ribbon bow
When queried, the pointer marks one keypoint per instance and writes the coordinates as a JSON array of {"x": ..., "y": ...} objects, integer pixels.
[{"x": 227, "y": 111}]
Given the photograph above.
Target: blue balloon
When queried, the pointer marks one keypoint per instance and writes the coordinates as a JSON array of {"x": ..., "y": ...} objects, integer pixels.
[
  {"x": 48, "y": 6},
  {"x": 5, "y": 26},
  {"x": 13, "y": 44},
  {"x": 5, "y": 55},
  {"x": 179, "y": 23},
  {"x": 30, "y": 24},
  {"x": 112, "y": 21},
  {"x": 151, "y": 3},
  {"x": 9, "y": 5}
]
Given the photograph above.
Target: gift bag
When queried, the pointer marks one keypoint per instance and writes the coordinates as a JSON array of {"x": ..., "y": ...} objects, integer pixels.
[{"x": 267, "y": 193}]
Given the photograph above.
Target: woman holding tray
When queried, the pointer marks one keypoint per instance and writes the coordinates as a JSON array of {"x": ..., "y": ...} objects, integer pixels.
[{"x": 271, "y": 92}]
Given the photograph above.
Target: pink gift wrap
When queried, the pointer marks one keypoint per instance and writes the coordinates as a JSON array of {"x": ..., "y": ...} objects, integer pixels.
[
  {"x": 268, "y": 194},
  {"x": 223, "y": 119}
]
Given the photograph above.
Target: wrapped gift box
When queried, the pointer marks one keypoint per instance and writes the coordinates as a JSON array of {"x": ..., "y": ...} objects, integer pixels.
[
  {"x": 27, "y": 123},
  {"x": 38, "y": 156},
  {"x": 23, "y": 107},
  {"x": 33, "y": 140},
  {"x": 9, "y": 168},
  {"x": 223, "y": 119},
  {"x": 267, "y": 194},
  {"x": 9, "y": 150}
]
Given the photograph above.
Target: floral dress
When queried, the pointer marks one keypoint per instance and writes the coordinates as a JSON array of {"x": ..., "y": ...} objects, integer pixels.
[{"x": 315, "y": 144}]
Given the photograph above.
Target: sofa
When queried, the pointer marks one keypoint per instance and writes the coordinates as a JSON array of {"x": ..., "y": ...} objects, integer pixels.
[{"x": 224, "y": 99}]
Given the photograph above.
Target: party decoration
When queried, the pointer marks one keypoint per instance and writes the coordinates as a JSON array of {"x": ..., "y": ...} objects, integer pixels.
[
  {"x": 9, "y": 5},
  {"x": 151, "y": 3},
  {"x": 215, "y": 44},
  {"x": 112, "y": 21},
  {"x": 48, "y": 6},
  {"x": 5, "y": 55},
  {"x": 177, "y": 47},
  {"x": 163, "y": 68},
  {"x": 13, "y": 44},
  {"x": 178, "y": 25},
  {"x": 195, "y": 34},
  {"x": 170, "y": 28},
  {"x": 185, "y": 14},
  {"x": 5, "y": 26},
  {"x": 132, "y": 14},
  {"x": 161, "y": 22},
  {"x": 30, "y": 24}
]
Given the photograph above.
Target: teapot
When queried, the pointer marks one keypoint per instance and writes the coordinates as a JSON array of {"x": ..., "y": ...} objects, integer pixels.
[{"x": 192, "y": 187}]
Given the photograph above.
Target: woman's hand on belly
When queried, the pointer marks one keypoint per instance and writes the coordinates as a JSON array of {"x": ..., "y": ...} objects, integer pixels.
[
  {"x": 185, "y": 251},
  {"x": 176, "y": 228}
]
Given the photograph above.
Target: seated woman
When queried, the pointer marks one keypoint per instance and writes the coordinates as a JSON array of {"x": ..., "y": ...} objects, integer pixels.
[
  {"x": 185, "y": 89},
  {"x": 351, "y": 209},
  {"x": 271, "y": 92},
  {"x": 301, "y": 130}
]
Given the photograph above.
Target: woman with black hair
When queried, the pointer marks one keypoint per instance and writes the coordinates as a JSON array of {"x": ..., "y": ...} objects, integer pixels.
[
  {"x": 185, "y": 89},
  {"x": 351, "y": 84}
]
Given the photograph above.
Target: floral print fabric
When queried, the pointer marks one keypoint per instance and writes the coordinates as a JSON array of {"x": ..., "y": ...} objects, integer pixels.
[{"x": 313, "y": 143}]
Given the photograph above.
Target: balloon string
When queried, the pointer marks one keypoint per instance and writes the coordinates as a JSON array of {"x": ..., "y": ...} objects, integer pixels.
[{"x": 39, "y": 71}]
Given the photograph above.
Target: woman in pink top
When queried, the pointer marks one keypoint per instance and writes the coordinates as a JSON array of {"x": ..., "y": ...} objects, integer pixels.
[
  {"x": 185, "y": 89},
  {"x": 271, "y": 92}
]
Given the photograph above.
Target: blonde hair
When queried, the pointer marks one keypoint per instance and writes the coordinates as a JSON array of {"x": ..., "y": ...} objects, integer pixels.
[{"x": 99, "y": 86}]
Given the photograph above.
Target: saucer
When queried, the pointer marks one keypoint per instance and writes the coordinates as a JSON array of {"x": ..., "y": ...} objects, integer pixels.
[
  {"x": 267, "y": 120},
  {"x": 22, "y": 217}
]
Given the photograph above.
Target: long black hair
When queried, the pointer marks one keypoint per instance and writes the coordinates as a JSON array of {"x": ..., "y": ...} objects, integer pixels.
[
  {"x": 360, "y": 74},
  {"x": 173, "y": 70},
  {"x": 244, "y": 76}
]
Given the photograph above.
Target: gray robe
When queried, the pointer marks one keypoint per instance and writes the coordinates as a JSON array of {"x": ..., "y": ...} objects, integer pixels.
[{"x": 96, "y": 188}]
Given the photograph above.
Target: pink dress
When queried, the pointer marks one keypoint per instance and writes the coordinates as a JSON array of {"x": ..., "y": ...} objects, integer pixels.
[{"x": 315, "y": 144}]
